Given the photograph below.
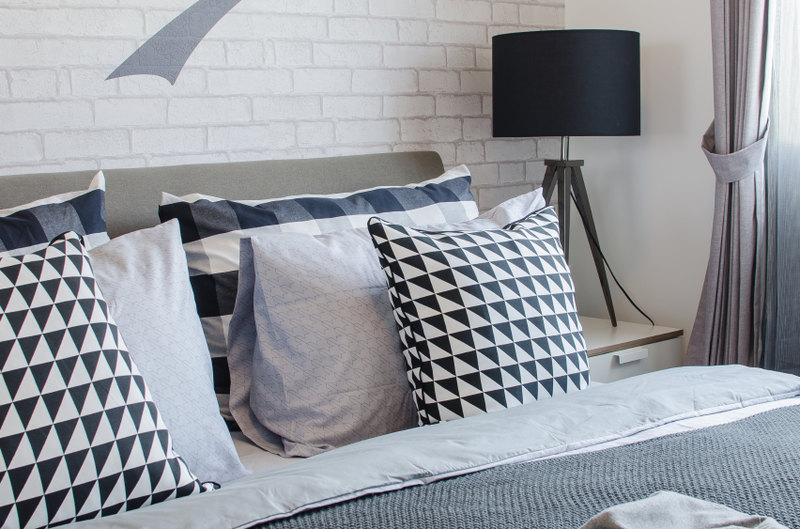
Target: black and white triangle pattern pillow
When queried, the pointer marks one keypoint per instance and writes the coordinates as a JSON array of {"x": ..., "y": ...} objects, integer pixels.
[
  {"x": 80, "y": 436},
  {"x": 487, "y": 319}
]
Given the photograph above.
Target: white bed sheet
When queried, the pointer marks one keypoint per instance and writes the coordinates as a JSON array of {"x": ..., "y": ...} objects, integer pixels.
[{"x": 256, "y": 459}]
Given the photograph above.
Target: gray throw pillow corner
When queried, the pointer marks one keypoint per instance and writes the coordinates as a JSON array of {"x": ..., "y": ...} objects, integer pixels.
[{"x": 143, "y": 277}]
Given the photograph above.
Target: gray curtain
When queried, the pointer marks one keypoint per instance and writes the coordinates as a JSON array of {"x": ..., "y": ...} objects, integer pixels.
[
  {"x": 728, "y": 322},
  {"x": 782, "y": 316}
]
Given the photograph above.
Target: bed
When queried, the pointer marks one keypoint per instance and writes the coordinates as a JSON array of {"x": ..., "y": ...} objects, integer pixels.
[{"x": 718, "y": 442}]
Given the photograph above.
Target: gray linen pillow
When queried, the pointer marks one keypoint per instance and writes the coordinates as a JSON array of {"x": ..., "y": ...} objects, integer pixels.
[
  {"x": 212, "y": 227},
  {"x": 313, "y": 349},
  {"x": 143, "y": 277}
]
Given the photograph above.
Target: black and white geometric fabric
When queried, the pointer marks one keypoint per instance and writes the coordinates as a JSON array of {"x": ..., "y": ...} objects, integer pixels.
[
  {"x": 80, "y": 436},
  {"x": 212, "y": 227},
  {"x": 487, "y": 319}
]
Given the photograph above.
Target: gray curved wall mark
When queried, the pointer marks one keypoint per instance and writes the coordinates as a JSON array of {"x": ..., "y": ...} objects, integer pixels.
[{"x": 166, "y": 52}]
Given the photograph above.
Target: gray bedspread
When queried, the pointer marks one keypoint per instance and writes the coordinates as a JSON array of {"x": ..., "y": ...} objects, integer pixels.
[
  {"x": 752, "y": 466},
  {"x": 643, "y": 407}
]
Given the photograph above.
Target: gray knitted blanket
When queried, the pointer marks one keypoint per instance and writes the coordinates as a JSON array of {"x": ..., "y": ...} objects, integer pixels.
[{"x": 752, "y": 465}]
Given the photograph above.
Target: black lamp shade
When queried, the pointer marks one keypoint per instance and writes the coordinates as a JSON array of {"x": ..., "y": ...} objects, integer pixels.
[{"x": 566, "y": 83}]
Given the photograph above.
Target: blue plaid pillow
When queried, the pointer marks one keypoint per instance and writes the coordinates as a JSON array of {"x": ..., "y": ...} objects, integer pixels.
[
  {"x": 31, "y": 227},
  {"x": 211, "y": 229}
]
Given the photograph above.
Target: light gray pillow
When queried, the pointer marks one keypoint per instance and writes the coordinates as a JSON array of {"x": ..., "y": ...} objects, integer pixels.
[
  {"x": 313, "y": 349},
  {"x": 143, "y": 277}
]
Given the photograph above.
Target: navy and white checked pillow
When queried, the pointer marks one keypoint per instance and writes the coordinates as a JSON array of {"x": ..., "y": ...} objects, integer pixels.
[
  {"x": 211, "y": 229},
  {"x": 487, "y": 319},
  {"x": 31, "y": 227}
]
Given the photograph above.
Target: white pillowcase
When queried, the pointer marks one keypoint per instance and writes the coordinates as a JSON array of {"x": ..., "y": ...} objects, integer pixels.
[{"x": 143, "y": 277}]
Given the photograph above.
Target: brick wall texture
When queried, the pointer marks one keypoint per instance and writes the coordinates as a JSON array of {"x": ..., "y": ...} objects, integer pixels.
[{"x": 272, "y": 79}]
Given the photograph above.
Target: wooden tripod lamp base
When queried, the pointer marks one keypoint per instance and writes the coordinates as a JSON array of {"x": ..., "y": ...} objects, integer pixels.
[{"x": 566, "y": 175}]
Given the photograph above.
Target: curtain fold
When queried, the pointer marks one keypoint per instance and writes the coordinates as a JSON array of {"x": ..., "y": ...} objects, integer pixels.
[
  {"x": 739, "y": 165},
  {"x": 781, "y": 349},
  {"x": 728, "y": 322}
]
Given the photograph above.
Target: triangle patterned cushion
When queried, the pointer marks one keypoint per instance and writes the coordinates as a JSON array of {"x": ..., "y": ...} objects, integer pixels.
[
  {"x": 487, "y": 319},
  {"x": 80, "y": 436}
]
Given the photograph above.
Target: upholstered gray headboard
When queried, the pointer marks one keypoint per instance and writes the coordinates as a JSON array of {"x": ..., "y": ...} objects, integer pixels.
[{"x": 133, "y": 195}]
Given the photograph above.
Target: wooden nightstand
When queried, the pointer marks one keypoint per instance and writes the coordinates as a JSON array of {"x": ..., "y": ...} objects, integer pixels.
[{"x": 629, "y": 348}]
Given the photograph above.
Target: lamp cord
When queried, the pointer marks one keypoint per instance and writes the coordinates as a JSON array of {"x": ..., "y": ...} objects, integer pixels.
[{"x": 605, "y": 261}]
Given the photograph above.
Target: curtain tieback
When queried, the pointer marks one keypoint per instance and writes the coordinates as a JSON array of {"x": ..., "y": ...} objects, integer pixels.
[{"x": 738, "y": 165}]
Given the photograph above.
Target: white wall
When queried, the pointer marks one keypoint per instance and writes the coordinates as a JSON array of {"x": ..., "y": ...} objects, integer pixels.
[
  {"x": 652, "y": 196},
  {"x": 323, "y": 77},
  {"x": 299, "y": 78}
]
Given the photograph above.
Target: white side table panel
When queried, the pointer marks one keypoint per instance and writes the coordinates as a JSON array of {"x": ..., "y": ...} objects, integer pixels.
[{"x": 629, "y": 349}]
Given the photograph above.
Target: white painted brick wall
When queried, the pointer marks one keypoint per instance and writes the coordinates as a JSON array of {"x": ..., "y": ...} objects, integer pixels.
[
  {"x": 363, "y": 29},
  {"x": 351, "y": 107},
  {"x": 109, "y": 113},
  {"x": 409, "y": 106},
  {"x": 86, "y": 144},
  {"x": 170, "y": 140},
  {"x": 367, "y": 132},
  {"x": 478, "y": 11},
  {"x": 285, "y": 79},
  {"x": 26, "y": 146},
  {"x": 273, "y": 135}
]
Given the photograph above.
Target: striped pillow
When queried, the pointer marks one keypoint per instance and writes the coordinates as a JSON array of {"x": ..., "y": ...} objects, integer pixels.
[
  {"x": 211, "y": 229},
  {"x": 31, "y": 227}
]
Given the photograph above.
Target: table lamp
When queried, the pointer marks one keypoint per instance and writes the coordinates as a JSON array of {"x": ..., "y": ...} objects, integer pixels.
[{"x": 582, "y": 82}]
